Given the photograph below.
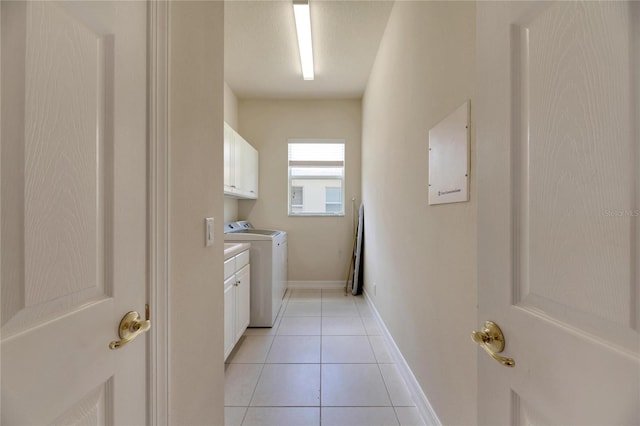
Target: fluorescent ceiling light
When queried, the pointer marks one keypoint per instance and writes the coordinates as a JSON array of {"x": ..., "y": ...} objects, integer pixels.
[{"x": 303, "y": 27}]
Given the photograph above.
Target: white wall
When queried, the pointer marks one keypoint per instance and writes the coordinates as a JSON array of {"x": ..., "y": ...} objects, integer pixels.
[
  {"x": 230, "y": 107},
  {"x": 425, "y": 270},
  {"x": 231, "y": 117},
  {"x": 319, "y": 247},
  {"x": 196, "y": 182},
  {"x": 230, "y": 209}
]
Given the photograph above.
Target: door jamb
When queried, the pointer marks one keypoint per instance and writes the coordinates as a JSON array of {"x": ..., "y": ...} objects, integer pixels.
[{"x": 158, "y": 377}]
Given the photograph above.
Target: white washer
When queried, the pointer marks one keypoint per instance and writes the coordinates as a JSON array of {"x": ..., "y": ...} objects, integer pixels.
[{"x": 268, "y": 258}]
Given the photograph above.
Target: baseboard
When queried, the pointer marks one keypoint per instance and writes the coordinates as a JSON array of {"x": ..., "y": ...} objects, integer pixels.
[
  {"x": 315, "y": 284},
  {"x": 422, "y": 403}
]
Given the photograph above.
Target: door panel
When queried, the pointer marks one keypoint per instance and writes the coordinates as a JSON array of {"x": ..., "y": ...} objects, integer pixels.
[
  {"x": 575, "y": 171},
  {"x": 558, "y": 207},
  {"x": 92, "y": 410},
  {"x": 59, "y": 150},
  {"x": 43, "y": 376},
  {"x": 73, "y": 233}
]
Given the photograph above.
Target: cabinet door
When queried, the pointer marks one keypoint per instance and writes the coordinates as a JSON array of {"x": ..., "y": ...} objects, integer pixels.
[
  {"x": 280, "y": 269},
  {"x": 243, "y": 297},
  {"x": 251, "y": 171},
  {"x": 229, "y": 314},
  {"x": 239, "y": 166},
  {"x": 229, "y": 154}
]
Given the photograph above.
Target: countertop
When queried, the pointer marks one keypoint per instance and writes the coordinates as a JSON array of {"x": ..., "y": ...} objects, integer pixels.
[{"x": 231, "y": 249}]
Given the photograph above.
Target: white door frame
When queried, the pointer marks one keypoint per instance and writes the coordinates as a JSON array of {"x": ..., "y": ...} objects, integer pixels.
[{"x": 158, "y": 211}]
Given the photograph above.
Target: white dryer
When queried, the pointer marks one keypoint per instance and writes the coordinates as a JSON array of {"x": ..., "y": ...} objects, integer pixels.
[{"x": 268, "y": 258}]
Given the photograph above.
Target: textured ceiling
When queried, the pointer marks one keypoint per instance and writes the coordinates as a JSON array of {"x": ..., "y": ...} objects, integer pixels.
[{"x": 261, "y": 52}]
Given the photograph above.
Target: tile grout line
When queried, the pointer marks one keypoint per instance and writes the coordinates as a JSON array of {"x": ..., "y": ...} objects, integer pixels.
[
  {"x": 264, "y": 363},
  {"x": 256, "y": 386},
  {"x": 321, "y": 338},
  {"x": 323, "y": 317},
  {"x": 386, "y": 388}
]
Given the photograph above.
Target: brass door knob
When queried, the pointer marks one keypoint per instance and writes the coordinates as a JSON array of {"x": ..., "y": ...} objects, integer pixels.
[
  {"x": 491, "y": 340},
  {"x": 131, "y": 326}
]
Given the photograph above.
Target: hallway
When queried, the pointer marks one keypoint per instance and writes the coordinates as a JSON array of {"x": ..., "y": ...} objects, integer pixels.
[{"x": 324, "y": 362}]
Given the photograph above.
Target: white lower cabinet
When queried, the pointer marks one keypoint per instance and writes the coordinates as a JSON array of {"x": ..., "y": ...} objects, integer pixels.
[{"x": 237, "y": 299}]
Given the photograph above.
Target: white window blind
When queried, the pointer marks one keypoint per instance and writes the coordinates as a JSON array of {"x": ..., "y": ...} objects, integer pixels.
[{"x": 316, "y": 152}]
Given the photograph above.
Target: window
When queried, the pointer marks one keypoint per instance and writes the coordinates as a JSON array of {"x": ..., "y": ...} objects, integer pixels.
[
  {"x": 316, "y": 177},
  {"x": 333, "y": 199}
]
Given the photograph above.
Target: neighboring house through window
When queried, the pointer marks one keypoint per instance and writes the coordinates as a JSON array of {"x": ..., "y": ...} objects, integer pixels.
[
  {"x": 316, "y": 177},
  {"x": 297, "y": 199}
]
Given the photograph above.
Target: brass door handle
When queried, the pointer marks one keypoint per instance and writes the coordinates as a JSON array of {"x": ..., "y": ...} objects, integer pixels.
[
  {"x": 131, "y": 326},
  {"x": 491, "y": 340}
]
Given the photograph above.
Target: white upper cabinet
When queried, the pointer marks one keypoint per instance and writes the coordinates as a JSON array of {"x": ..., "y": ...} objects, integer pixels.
[{"x": 240, "y": 166}]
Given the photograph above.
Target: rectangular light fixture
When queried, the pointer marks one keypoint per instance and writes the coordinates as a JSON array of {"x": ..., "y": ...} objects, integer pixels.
[{"x": 303, "y": 28}]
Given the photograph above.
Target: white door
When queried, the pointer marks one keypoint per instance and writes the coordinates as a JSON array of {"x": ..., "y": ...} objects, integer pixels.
[
  {"x": 73, "y": 211},
  {"x": 558, "y": 158}
]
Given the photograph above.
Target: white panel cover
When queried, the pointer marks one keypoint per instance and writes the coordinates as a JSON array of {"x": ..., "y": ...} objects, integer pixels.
[{"x": 449, "y": 158}]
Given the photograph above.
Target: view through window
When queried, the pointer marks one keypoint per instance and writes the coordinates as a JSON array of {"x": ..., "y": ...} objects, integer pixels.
[{"x": 316, "y": 177}]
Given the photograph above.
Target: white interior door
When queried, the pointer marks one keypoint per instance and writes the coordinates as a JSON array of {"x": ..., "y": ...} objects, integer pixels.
[
  {"x": 558, "y": 158},
  {"x": 74, "y": 219}
]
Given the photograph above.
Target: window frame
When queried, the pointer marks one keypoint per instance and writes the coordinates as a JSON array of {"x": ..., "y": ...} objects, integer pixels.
[{"x": 311, "y": 163}]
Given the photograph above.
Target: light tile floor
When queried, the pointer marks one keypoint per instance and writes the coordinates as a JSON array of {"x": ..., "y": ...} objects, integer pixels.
[{"x": 323, "y": 363}]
